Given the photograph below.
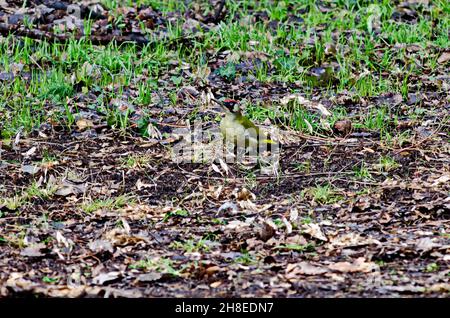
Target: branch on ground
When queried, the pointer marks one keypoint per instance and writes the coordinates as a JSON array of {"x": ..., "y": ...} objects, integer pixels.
[{"x": 7, "y": 29}]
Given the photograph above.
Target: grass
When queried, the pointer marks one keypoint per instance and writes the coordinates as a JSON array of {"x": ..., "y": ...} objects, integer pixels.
[
  {"x": 134, "y": 161},
  {"x": 190, "y": 246},
  {"x": 350, "y": 58},
  {"x": 431, "y": 268},
  {"x": 245, "y": 259},
  {"x": 50, "y": 280},
  {"x": 362, "y": 171},
  {"x": 108, "y": 204},
  {"x": 176, "y": 213},
  {"x": 387, "y": 164},
  {"x": 366, "y": 65},
  {"x": 33, "y": 192}
]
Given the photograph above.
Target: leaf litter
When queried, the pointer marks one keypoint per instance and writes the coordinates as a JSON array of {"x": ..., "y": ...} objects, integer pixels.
[{"x": 113, "y": 216}]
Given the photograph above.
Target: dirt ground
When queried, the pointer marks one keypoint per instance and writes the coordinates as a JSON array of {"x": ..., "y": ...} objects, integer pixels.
[{"x": 96, "y": 211}]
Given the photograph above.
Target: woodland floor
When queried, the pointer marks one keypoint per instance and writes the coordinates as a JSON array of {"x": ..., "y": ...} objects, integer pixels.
[{"x": 92, "y": 204}]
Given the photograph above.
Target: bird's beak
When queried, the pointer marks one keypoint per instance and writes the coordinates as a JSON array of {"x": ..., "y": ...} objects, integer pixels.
[
  {"x": 222, "y": 106},
  {"x": 217, "y": 101}
]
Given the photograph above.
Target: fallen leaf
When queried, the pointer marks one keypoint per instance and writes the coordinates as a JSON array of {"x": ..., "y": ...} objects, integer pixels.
[
  {"x": 83, "y": 124},
  {"x": 405, "y": 288},
  {"x": 30, "y": 169},
  {"x": 288, "y": 225},
  {"x": 119, "y": 237},
  {"x": 358, "y": 265},
  {"x": 268, "y": 230},
  {"x": 314, "y": 230},
  {"x": 296, "y": 240},
  {"x": 224, "y": 166},
  {"x": 30, "y": 152},
  {"x": 149, "y": 277},
  {"x": 441, "y": 180},
  {"x": 215, "y": 284},
  {"x": 351, "y": 240},
  {"x": 98, "y": 246},
  {"x": 236, "y": 225},
  {"x": 19, "y": 284},
  {"x": 245, "y": 194},
  {"x": 67, "y": 243},
  {"x": 67, "y": 188},
  {"x": 343, "y": 126},
  {"x": 293, "y": 215},
  {"x": 440, "y": 288},
  {"x": 106, "y": 277},
  {"x": 444, "y": 58},
  {"x": 307, "y": 103},
  {"x": 33, "y": 251},
  {"x": 216, "y": 169},
  {"x": 425, "y": 244},
  {"x": 307, "y": 268},
  {"x": 229, "y": 206}
]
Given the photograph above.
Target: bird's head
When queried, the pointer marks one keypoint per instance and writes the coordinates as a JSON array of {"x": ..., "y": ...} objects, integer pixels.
[{"x": 231, "y": 104}]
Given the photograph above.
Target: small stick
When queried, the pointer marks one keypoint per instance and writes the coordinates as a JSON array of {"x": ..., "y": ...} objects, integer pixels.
[{"x": 218, "y": 11}]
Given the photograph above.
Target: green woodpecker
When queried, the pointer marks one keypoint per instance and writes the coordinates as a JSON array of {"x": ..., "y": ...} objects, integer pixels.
[{"x": 239, "y": 130}]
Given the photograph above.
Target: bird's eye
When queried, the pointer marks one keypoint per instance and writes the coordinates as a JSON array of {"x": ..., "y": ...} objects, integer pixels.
[{"x": 229, "y": 102}]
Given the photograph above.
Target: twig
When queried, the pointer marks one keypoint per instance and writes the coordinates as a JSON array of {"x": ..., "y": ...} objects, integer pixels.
[
  {"x": 218, "y": 12},
  {"x": 141, "y": 40},
  {"x": 6, "y": 29},
  {"x": 414, "y": 147}
]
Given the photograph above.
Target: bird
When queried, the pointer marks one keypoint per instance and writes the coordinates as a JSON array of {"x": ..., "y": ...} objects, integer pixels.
[{"x": 241, "y": 131}]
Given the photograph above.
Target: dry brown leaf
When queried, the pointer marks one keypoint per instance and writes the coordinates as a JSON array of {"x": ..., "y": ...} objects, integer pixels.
[
  {"x": 224, "y": 166},
  {"x": 441, "y": 180},
  {"x": 216, "y": 169},
  {"x": 268, "y": 230},
  {"x": 351, "y": 240},
  {"x": 236, "y": 225},
  {"x": 231, "y": 207},
  {"x": 99, "y": 246},
  {"x": 29, "y": 152},
  {"x": 83, "y": 124},
  {"x": 343, "y": 126},
  {"x": 293, "y": 215},
  {"x": 119, "y": 237},
  {"x": 358, "y": 265},
  {"x": 444, "y": 58},
  {"x": 62, "y": 240},
  {"x": 297, "y": 240},
  {"x": 425, "y": 244},
  {"x": 255, "y": 55},
  {"x": 245, "y": 194},
  {"x": 31, "y": 169},
  {"x": 149, "y": 277},
  {"x": 307, "y": 268},
  {"x": 314, "y": 230},
  {"x": 248, "y": 206},
  {"x": 288, "y": 225},
  {"x": 307, "y": 103},
  {"x": 106, "y": 277},
  {"x": 67, "y": 188}
]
